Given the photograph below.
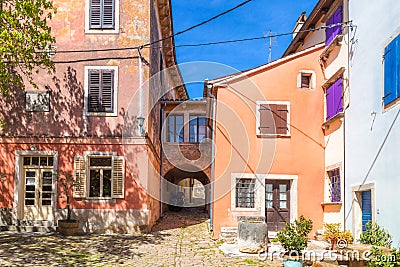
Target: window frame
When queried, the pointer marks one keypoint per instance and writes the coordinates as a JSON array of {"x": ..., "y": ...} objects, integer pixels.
[
  {"x": 169, "y": 115},
  {"x": 114, "y": 112},
  {"x": 196, "y": 117},
  {"x": 252, "y": 194},
  {"x": 258, "y": 118},
  {"x": 313, "y": 79},
  {"x": 89, "y": 30},
  {"x": 101, "y": 168},
  {"x": 335, "y": 196}
]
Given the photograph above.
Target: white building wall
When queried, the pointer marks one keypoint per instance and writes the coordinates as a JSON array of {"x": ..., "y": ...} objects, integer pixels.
[{"x": 367, "y": 123}]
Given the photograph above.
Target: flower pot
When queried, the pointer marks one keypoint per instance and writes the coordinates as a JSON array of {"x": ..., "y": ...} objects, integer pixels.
[
  {"x": 68, "y": 227},
  {"x": 292, "y": 262}
]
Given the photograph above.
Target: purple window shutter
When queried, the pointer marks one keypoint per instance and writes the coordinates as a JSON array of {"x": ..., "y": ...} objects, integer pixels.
[
  {"x": 331, "y": 33},
  {"x": 330, "y": 94},
  {"x": 339, "y": 96}
]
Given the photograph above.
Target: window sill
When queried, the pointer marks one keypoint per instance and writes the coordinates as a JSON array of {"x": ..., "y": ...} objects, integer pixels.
[
  {"x": 100, "y": 114},
  {"x": 273, "y": 135},
  {"x": 99, "y": 200},
  {"x": 331, "y": 203},
  {"x": 337, "y": 41},
  {"x": 338, "y": 116},
  {"x": 101, "y": 31},
  {"x": 244, "y": 209},
  {"x": 390, "y": 105}
]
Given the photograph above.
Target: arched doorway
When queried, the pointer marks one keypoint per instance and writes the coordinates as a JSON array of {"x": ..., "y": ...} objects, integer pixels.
[{"x": 186, "y": 187}]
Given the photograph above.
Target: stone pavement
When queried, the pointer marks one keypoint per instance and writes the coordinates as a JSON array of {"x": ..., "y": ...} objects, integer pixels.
[{"x": 179, "y": 239}]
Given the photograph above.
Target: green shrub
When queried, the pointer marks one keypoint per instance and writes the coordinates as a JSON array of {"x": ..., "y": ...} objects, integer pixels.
[
  {"x": 375, "y": 235},
  {"x": 381, "y": 259},
  {"x": 293, "y": 237}
]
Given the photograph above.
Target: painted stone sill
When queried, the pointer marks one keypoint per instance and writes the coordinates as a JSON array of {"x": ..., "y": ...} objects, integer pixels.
[
  {"x": 273, "y": 135},
  {"x": 99, "y": 200},
  {"x": 100, "y": 114},
  {"x": 335, "y": 42},
  {"x": 331, "y": 203},
  {"x": 338, "y": 116}
]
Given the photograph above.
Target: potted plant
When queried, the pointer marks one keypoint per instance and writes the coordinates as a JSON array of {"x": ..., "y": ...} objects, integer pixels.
[
  {"x": 69, "y": 226},
  {"x": 293, "y": 239},
  {"x": 333, "y": 233}
]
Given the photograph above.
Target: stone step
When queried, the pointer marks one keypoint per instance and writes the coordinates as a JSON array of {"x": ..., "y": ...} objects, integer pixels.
[
  {"x": 35, "y": 223},
  {"x": 29, "y": 229}
]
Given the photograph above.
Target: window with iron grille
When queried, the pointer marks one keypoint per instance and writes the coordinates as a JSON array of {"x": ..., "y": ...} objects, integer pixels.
[
  {"x": 101, "y": 91},
  {"x": 102, "y": 14},
  {"x": 245, "y": 189},
  {"x": 334, "y": 185}
]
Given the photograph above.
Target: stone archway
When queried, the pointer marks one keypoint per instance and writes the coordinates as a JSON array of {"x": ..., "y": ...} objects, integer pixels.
[{"x": 181, "y": 182}]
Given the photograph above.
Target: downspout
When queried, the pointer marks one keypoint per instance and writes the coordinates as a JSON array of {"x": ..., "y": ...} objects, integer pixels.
[
  {"x": 161, "y": 159},
  {"x": 140, "y": 118},
  {"x": 214, "y": 106}
]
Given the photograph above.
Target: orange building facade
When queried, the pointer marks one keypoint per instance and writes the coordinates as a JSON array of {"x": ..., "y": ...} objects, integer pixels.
[{"x": 269, "y": 144}]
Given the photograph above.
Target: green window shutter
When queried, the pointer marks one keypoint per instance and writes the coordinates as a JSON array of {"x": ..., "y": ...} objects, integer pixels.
[
  {"x": 118, "y": 177},
  {"x": 79, "y": 177}
]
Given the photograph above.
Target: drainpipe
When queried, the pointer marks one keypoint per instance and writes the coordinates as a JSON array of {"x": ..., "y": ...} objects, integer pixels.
[
  {"x": 140, "y": 118},
  {"x": 209, "y": 93},
  {"x": 161, "y": 159}
]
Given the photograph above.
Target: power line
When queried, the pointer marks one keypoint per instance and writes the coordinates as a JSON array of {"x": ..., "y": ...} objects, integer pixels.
[
  {"x": 345, "y": 24},
  {"x": 165, "y": 38},
  {"x": 201, "y": 23}
]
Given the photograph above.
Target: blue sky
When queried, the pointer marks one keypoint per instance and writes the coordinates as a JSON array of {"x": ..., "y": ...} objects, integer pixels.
[{"x": 254, "y": 19}]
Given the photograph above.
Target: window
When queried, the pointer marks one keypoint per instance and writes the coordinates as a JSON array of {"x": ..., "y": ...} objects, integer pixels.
[
  {"x": 99, "y": 175},
  {"x": 306, "y": 79},
  {"x": 175, "y": 128},
  {"x": 334, "y": 99},
  {"x": 37, "y": 101},
  {"x": 101, "y": 14},
  {"x": 331, "y": 33},
  {"x": 334, "y": 185},
  {"x": 391, "y": 67},
  {"x": 197, "y": 129},
  {"x": 273, "y": 118},
  {"x": 101, "y": 90},
  {"x": 245, "y": 189}
]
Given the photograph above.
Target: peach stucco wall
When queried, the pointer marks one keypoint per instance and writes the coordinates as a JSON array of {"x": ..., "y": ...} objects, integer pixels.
[{"x": 239, "y": 150}]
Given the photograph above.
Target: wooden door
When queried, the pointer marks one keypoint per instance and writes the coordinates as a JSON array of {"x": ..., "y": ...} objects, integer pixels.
[{"x": 277, "y": 203}]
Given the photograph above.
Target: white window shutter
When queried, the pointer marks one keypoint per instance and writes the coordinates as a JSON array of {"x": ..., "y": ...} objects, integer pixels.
[
  {"x": 118, "y": 177},
  {"x": 79, "y": 177}
]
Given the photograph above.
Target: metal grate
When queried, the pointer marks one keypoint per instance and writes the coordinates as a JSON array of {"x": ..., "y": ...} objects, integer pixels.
[
  {"x": 334, "y": 186},
  {"x": 245, "y": 193}
]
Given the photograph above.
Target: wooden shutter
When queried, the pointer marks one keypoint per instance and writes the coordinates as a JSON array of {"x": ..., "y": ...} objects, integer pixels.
[
  {"x": 280, "y": 118},
  {"x": 108, "y": 14},
  {"x": 391, "y": 71},
  {"x": 107, "y": 90},
  {"x": 331, "y": 33},
  {"x": 118, "y": 177},
  {"x": 79, "y": 177},
  {"x": 95, "y": 14},
  {"x": 266, "y": 119},
  {"x": 94, "y": 91},
  {"x": 330, "y": 95},
  {"x": 338, "y": 99}
]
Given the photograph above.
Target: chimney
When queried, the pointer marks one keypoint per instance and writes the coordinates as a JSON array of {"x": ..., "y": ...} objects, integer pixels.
[{"x": 300, "y": 21}]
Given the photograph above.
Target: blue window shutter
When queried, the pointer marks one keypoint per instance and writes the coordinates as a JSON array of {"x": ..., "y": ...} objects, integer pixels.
[
  {"x": 391, "y": 71},
  {"x": 366, "y": 208}
]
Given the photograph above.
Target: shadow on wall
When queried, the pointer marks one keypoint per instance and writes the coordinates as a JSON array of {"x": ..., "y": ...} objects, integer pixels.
[{"x": 66, "y": 112}]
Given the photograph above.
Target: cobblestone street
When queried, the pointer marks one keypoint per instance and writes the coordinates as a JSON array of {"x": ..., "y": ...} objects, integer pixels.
[{"x": 179, "y": 239}]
